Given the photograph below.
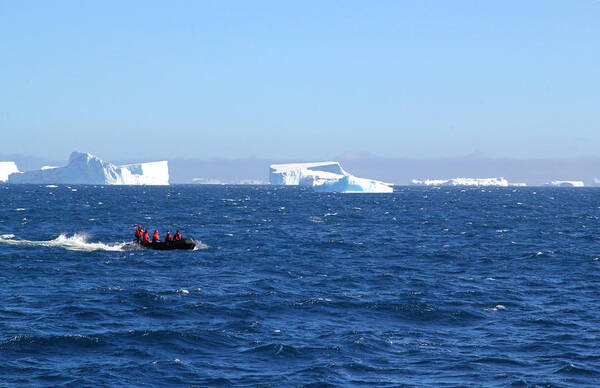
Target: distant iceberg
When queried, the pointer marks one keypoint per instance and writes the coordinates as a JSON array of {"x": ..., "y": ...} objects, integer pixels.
[
  {"x": 214, "y": 181},
  {"x": 324, "y": 177},
  {"x": 85, "y": 168},
  {"x": 7, "y": 168},
  {"x": 465, "y": 182},
  {"x": 566, "y": 183}
]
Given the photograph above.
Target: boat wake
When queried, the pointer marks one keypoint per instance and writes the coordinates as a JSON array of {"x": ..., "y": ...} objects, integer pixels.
[{"x": 77, "y": 242}]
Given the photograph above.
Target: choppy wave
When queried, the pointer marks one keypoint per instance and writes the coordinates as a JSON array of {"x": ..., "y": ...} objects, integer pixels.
[
  {"x": 76, "y": 242},
  {"x": 423, "y": 287}
]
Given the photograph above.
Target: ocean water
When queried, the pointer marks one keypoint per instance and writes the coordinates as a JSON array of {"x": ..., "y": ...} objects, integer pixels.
[{"x": 422, "y": 287}]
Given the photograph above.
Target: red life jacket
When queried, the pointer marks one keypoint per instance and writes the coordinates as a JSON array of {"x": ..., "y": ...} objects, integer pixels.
[
  {"x": 155, "y": 236},
  {"x": 177, "y": 236},
  {"x": 138, "y": 233},
  {"x": 146, "y": 239},
  {"x": 168, "y": 237}
]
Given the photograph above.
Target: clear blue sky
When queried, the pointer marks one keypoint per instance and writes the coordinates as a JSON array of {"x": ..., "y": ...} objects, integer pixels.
[{"x": 300, "y": 79}]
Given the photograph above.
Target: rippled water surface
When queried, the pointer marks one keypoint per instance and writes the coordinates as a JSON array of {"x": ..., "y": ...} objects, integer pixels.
[{"x": 423, "y": 287}]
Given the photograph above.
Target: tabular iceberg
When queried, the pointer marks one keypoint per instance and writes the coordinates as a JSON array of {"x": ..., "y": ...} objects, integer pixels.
[
  {"x": 84, "y": 168},
  {"x": 566, "y": 183},
  {"x": 324, "y": 177},
  {"x": 7, "y": 168},
  {"x": 464, "y": 182}
]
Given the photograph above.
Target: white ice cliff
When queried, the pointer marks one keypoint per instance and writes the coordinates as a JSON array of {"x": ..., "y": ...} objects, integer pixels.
[
  {"x": 7, "y": 168},
  {"x": 463, "y": 182},
  {"x": 84, "y": 168},
  {"x": 324, "y": 177}
]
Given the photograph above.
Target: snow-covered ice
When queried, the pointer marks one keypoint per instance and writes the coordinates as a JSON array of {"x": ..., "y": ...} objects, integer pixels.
[
  {"x": 85, "y": 168},
  {"x": 566, "y": 183},
  {"x": 324, "y": 177},
  {"x": 464, "y": 182},
  {"x": 7, "y": 168}
]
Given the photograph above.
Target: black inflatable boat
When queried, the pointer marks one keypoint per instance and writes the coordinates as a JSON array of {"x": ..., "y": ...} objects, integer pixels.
[{"x": 186, "y": 243}]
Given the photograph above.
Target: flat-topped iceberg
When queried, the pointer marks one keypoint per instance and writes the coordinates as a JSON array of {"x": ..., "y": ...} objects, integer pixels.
[
  {"x": 324, "y": 177},
  {"x": 7, "y": 168},
  {"x": 84, "y": 168},
  {"x": 464, "y": 182},
  {"x": 566, "y": 183}
]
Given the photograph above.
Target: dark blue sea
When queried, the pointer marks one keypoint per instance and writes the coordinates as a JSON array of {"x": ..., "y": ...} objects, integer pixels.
[{"x": 422, "y": 287}]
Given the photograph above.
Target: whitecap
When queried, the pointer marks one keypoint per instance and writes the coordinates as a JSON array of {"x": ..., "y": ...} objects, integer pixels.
[
  {"x": 20, "y": 209},
  {"x": 51, "y": 186}
]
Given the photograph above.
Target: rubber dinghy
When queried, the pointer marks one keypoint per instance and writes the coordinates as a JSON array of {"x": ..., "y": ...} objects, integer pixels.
[{"x": 186, "y": 243}]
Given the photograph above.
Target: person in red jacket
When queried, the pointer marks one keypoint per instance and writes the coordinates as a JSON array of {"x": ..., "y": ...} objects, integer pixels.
[
  {"x": 177, "y": 236},
  {"x": 145, "y": 236},
  {"x": 155, "y": 236},
  {"x": 168, "y": 237},
  {"x": 138, "y": 233}
]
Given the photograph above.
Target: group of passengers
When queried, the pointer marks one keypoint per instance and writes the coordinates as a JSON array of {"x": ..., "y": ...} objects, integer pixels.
[{"x": 141, "y": 235}]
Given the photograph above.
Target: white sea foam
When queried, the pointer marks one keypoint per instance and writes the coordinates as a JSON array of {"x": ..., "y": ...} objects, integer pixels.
[
  {"x": 77, "y": 242},
  {"x": 200, "y": 245}
]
